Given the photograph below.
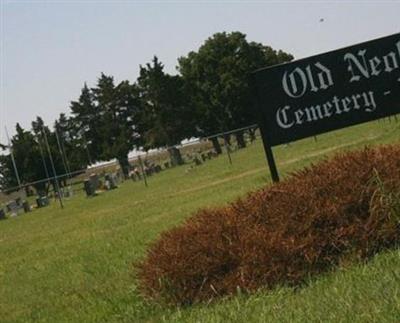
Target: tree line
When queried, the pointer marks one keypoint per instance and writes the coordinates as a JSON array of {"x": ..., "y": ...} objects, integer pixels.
[{"x": 210, "y": 94}]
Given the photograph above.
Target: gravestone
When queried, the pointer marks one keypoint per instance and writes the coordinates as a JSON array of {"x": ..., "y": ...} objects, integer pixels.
[
  {"x": 119, "y": 177},
  {"x": 67, "y": 192},
  {"x": 115, "y": 179},
  {"x": 2, "y": 214},
  {"x": 13, "y": 208},
  {"x": 26, "y": 206},
  {"x": 42, "y": 201},
  {"x": 94, "y": 179},
  {"x": 19, "y": 201},
  {"x": 89, "y": 188},
  {"x": 110, "y": 181},
  {"x": 107, "y": 184}
]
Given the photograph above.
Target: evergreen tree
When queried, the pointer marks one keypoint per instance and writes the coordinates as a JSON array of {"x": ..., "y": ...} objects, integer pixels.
[
  {"x": 70, "y": 144},
  {"x": 85, "y": 124},
  {"x": 30, "y": 158},
  {"x": 105, "y": 120},
  {"x": 166, "y": 118}
]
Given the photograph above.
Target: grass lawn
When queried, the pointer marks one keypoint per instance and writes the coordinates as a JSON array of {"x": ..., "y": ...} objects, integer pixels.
[{"x": 76, "y": 264}]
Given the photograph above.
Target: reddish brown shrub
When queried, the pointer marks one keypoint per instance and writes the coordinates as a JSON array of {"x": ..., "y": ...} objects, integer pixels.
[{"x": 308, "y": 223}]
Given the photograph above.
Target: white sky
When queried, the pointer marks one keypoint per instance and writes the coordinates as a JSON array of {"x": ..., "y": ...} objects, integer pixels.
[{"x": 50, "y": 48}]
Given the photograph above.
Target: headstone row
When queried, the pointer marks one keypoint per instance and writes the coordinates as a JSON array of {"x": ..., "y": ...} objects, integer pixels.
[
  {"x": 14, "y": 208},
  {"x": 93, "y": 184}
]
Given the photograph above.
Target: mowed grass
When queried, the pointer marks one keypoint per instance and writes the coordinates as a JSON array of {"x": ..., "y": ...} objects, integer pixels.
[{"x": 75, "y": 264}]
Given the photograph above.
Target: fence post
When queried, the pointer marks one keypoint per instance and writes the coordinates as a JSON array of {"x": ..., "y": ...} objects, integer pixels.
[
  {"x": 227, "y": 148},
  {"x": 143, "y": 172}
]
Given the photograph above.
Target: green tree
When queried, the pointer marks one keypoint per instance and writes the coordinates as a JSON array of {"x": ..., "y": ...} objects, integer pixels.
[
  {"x": 217, "y": 79},
  {"x": 105, "y": 120},
  {"x": 166, "y": 117},
  {"x": 70, "y": 144},
  {"x": 31, "y": 158},
  {"x": 85, "y": 124}
]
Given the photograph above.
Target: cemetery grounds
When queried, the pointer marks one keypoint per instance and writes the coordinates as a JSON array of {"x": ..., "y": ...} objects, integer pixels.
[{"x": 75, "y": 264}]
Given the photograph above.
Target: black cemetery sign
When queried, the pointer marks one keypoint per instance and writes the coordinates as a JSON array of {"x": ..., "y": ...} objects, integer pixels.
[{"x": 330, "y": 91}]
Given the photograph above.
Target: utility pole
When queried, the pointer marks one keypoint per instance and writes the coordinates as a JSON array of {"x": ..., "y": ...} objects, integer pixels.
[
  {"x": 54, "y": 169},
  {"x": 13, "y": 159},
  {"x": 43, "y": 160},
  {"x": 63, "y": 158}
]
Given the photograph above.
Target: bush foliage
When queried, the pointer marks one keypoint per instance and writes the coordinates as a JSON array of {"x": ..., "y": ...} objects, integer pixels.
[{"x": 339, "y": 209}]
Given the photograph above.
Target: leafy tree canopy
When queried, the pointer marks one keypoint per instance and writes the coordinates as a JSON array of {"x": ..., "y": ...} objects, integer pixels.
[{"x": 217, "y": 79}]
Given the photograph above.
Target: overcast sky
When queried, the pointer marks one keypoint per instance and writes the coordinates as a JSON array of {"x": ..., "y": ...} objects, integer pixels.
[{"x": 50, "y": 48}]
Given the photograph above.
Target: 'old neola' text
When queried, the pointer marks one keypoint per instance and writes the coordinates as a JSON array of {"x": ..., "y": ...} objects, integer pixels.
[
  {"x": 317, "y": 77},
  {"x": 361, "y": 66},
  {"x": 287, "y": 117}
]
